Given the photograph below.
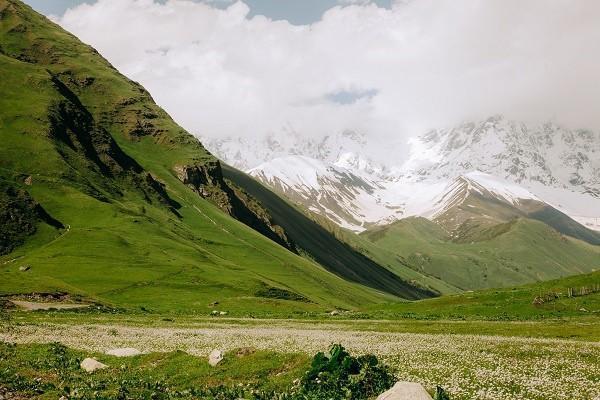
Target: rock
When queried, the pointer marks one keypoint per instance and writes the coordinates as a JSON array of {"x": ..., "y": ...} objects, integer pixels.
[
  {"x": 405, "y": 391},
  {"x": 24, "y": 268},
  {"x": 215, "y": 357},
  {"x": 124, "y": 352},
  {"x": 214, "y": 312},
  {"x": 223, "y": 313},
  {"x": 91, "y": 365},
  {"x": 334, "y": 313},
  {"x": 583, "y": 310},
  {"x": 28, "y": 181}
]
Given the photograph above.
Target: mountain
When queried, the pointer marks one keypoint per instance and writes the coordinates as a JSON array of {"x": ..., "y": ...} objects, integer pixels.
[
  {"x": 335, "y": 253},
  {"x": 105, "y": 197},
  {"x": 347, "y": 149},
  {"x": 486, "y": 204},
  {"x": 342, "y": 181},
  {"x": 349, "y": 198},
  {"x": 560, "y": 166}
]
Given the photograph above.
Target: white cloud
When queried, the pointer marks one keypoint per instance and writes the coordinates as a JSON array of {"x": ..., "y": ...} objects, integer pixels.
[{"x": 423, "y": 63}]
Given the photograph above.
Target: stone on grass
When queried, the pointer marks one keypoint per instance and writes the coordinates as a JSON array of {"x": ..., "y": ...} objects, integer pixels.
[
  {"x": 91, "y": 365},
  {"x": 405, "y": 391},
  {"x": 215, "y": 357},
  {"x": 124, "y": 352},
  {"x": 24, "y": 268}
]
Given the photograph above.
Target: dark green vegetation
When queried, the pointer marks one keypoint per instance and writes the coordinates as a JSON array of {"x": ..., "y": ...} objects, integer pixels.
[
  {"x": 339, "y": 375},
  {"x": 52, "y": 370},
  {"x": 117, "y": 204}
]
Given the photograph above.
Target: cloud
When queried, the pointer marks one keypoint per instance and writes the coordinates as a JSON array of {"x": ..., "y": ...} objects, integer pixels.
[{"x": 391, "y": 73}]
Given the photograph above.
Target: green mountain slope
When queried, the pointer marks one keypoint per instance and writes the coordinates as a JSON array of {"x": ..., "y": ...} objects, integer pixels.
[
  {"x": 113, "y": 201},
  {"x": 504, "y": 254},
  {"x": 319, "y": 244}
]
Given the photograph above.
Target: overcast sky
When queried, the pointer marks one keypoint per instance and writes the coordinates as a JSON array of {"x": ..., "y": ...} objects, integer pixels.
[{"x": 391, "y": 70}]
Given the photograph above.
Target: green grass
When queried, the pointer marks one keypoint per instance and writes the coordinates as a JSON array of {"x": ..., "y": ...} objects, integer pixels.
[
  {"x": 509, "y": 304},
  {"x": 54, "y": 371}
]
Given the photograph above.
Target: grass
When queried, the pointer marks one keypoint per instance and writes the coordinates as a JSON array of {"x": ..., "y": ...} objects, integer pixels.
[{"x": 48, "y": 371}]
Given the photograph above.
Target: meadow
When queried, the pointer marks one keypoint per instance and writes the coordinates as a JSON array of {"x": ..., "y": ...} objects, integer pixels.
[{"x": 470, "y": 359}]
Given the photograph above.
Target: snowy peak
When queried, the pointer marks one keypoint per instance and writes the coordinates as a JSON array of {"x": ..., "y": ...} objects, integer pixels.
[
  {"x": 547, "y": 153},
  {"x": 347, "y": 198}
]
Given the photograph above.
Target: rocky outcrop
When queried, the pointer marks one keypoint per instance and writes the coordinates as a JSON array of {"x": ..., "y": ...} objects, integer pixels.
[
  {"x": 206, "y": 179},
  {"x": 20, "y": 215}
]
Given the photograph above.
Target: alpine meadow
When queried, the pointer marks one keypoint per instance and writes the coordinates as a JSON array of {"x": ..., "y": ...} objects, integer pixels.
[{"x": 333, "y": 200}]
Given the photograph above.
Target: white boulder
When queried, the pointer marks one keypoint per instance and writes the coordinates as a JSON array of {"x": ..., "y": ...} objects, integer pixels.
[
  {"x": 215, "y": 357},
  {"x": 91, "y": 365},
  {"x": 406, "y": 391}
]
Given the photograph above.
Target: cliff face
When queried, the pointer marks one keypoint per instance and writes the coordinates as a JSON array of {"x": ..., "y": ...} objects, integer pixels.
[
  {"x": 207, "y": 181},
  {"x": 20, "y": 216}
]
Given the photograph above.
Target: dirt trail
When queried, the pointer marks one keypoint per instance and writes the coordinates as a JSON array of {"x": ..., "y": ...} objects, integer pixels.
[{"x": 34, "y": 306}]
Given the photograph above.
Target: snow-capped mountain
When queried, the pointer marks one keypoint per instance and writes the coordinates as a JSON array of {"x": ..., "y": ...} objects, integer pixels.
[
  {"x": 339, "y": 176},
  {"x": 558, "y": 165},
  {"x": 350, "y": 198}
]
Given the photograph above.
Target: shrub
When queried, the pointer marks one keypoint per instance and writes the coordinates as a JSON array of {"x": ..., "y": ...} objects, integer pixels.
[{"x": 338, "y": 375}]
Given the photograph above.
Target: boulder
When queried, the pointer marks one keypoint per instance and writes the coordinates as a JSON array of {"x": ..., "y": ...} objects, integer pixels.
[
  {"x": 24, "y": 268},
  {"x": 124, "y": 352},
  {"x": 91, "y": 365},
  {"x": 215, "y": 357},
  {"x": 406, "y": 391}
]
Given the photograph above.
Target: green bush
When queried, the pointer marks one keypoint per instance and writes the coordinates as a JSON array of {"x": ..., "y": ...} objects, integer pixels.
[{"x": 338, "y": 375}]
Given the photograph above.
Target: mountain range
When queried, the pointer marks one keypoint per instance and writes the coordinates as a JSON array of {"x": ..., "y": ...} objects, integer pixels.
[{"x": 340, "y": 177}]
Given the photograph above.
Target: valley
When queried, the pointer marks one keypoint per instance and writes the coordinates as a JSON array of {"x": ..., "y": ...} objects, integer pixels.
[{"x": 472, "y": 265}]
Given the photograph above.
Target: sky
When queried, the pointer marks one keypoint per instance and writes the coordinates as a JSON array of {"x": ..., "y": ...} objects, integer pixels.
[
  {"x": 298, "y": 12},
  {"x": 391, "y": 70}
]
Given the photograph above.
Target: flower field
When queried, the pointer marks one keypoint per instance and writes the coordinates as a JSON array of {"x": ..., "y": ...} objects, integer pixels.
[{"x": 470, "y": 367}]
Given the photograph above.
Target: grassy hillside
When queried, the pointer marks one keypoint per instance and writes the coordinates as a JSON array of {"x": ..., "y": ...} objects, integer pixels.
[
  {"x": 135, "y": 210},
  {"x": 319, "y": 244},
  {"x": 505, "y": 254},
  {"x": 575, "y": 296}
]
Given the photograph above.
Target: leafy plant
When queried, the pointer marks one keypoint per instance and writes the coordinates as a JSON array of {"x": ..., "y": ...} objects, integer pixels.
[{"x": 338, "y": 375}]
